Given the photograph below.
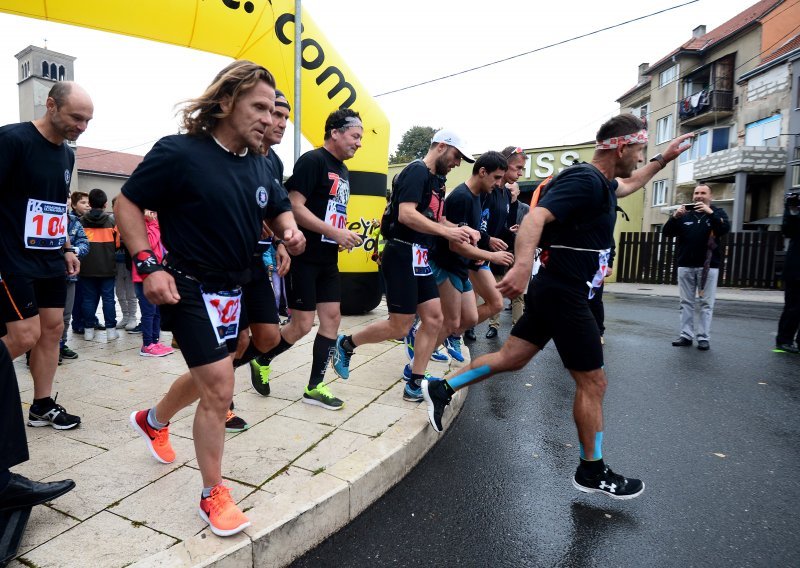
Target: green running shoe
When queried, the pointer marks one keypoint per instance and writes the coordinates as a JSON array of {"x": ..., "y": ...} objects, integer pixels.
[
  {"x": 321, "y": 396},
  {"x": 259, "y": 377}
]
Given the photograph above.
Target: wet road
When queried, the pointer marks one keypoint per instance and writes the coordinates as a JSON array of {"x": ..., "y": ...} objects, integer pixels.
[{"x": 713, "y": 435}]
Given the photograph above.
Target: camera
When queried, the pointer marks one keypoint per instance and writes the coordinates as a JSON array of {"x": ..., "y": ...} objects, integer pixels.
[
  {"x": 690, "y": 206},
  {"x": 792, "y": 199}
]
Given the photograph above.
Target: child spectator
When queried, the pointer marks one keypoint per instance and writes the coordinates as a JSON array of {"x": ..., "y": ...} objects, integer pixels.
[
  {"x": 98, "y": 268},
  {"x": 77, "y": 238},
  {"x": 151, "y": 316},
  {"x": 123, "y": 284}
]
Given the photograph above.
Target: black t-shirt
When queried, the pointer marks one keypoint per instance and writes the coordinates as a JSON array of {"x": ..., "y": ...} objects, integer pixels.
[
  {"x": 275, "y": 166},
  {"x": 34, "y": 189},
  {"x": 325, "y": 183},
  {"x": 496, "y": 205},
  {"x": 584, "y": 204},
  {"x": 210, "y": 202},
  {"x": 461, "y": 206},
  {"x": 416, "y": 184}
]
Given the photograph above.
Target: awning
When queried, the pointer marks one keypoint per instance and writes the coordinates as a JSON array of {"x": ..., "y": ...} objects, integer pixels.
[{"x": 767, "y": 221}]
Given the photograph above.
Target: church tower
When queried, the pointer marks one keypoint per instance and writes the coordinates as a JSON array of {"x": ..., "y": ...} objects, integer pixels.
[{"x": 38, "y": 69}]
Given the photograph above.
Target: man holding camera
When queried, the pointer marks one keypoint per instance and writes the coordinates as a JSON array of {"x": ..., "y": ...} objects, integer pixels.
[
  {"x": 698, "y": 226},
  {"x": 788, "y": 338}
]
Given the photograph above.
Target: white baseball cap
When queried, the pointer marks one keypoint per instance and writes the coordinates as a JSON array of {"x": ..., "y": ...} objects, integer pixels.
[{"x": 452, "y": 139}]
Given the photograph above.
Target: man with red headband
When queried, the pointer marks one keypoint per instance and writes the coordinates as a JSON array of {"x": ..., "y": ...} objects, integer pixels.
[{"x": 576, "y": 218}]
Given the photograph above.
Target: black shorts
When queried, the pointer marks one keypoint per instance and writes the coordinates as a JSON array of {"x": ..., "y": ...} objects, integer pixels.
[
  {"x": 309, "y": 284},
  {"x": 258, "y": 300},
  {"x": 559, "y": 310},
  {"x": 21, "y": 297},
  {"x": 404, "y": 290},
  {"x": 190, "y": 325}
]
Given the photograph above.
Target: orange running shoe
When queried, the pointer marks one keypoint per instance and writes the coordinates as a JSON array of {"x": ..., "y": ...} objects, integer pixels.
[
  {"x": 221, "y": 513},
  {"x": 157, "y": 440}
]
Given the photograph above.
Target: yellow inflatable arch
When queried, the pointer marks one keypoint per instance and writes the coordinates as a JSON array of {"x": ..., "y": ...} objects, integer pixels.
[{"x": 263, "y": 31}]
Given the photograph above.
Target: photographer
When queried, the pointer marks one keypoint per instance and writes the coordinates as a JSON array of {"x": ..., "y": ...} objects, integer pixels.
[
  {"x": 788, "y": 338},
  {"x": 698, "y": 226}
]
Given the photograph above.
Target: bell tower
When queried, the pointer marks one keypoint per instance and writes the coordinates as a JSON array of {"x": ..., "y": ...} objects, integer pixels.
[{"x": 38, "y": 70}]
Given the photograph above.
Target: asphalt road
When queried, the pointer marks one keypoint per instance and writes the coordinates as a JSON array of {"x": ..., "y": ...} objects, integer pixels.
[{"x": 714, "y": 435}]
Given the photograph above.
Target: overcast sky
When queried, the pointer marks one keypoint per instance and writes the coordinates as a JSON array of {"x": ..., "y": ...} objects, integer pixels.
[{"x": 555, "y": 96}]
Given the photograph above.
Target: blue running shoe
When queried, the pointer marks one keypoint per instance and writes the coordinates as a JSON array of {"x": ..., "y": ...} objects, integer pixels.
[
  {"x": 409, "y": 342},
  {"x": 439, "y": 357},
  {"x": 407, "y": 375},
  {"x": 341, "y": 359},
  {"x": 412, "y": 393},
  {"x": 453, "y": 346}
]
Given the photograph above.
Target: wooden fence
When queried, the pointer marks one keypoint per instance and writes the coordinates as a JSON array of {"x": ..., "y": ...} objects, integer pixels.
[{"x": 749, "y": 259}]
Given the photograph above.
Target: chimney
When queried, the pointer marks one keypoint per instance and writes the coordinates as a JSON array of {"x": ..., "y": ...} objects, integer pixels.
[
  {"x": 642, "y": 68},
  {"x": 699, "y": 31}
]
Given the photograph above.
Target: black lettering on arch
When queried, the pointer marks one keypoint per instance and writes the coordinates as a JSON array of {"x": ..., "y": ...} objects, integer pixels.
[
  {"x": 318, "y": 60},
  {"x": 280, "y": 24},
  {"x": 340, "y": 84}
]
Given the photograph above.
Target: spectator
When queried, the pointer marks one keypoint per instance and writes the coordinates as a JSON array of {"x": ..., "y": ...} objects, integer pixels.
[
  {"x": 788, "y": 338},
  {"x": 79, "y": 201},
  {"x": 123, "y": 284},
  {"x": 98, "y": 268},
  {"x": 79, "y": 205}
]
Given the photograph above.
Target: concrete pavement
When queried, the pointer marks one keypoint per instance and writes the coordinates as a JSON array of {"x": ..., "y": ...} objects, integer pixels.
[{"x": 300, "y": 472}]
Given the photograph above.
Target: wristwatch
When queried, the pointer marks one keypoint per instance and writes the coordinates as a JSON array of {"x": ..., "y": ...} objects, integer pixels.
[
  {"x": 660, "y": 159},
  {"x": 70, "y": 249}
]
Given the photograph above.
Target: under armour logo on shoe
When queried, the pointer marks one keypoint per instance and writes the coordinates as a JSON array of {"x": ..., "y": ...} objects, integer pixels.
[{"x": 611, "y": 487}]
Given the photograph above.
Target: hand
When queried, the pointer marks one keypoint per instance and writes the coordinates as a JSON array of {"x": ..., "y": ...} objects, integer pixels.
[
  {"x": 159, "y": 288},
  {"x": 346, "y": 239},
  {"x": 700, "y": 206},
  {"x": 474, "y": 236},
  {"x": 460, "y": 234},
  {"x": 675, "y": 149},
  {"x": 609, "y": 271},
  {"x": 516, "y": 280},
  {"x": 680, "y": 212},
  {"x": 282, "y": 259},
  {"x": 502, "y": 258},
  {"x": 266, "y": 232},
  {"x": 496, "y": 244},
  {"x": 295, "y": 241},
  {"x": 514, "y": 228},
  {"x": 72, "y": 263}
]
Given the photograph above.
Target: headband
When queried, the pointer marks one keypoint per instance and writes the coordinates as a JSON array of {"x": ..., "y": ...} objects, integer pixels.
[
  {"x": 282, "y": 103},
  {"x": 616, "y": 141},
  {"x": 347, "y": 122}
]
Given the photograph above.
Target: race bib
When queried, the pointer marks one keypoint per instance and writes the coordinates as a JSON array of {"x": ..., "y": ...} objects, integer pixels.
[
  {"x": 223, "y": 310},
  {"x": 419, "y": 261},
  {"x": 335, "y": 216},
  {"x": 599, "y": 276},
  {"x": 45, "y": 225}
]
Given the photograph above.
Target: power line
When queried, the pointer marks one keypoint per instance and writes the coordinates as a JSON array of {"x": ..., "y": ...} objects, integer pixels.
[{"x": 562, "y": 42}]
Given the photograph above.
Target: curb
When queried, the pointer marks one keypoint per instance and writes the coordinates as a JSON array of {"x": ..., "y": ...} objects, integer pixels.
[{"x": 291, "y": 523}]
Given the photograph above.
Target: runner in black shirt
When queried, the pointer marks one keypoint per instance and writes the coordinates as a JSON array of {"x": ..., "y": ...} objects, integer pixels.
[
  {"x": 35, "y": 255},
  {"x": 319, "y": 190},
  {"x": 212, "y": 190},
  {"x": 35, "y": 172},
  {"x": 412, "y": 223},
  {"x": 579, "y": 210}
]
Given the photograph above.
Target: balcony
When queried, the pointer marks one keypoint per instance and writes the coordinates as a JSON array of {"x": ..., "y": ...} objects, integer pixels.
[
  {"x": 705, "y": 107},
  {"x": 722, "y": 166}
]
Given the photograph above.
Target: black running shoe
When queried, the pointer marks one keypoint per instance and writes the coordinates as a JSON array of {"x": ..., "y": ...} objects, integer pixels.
[
  {"x": 68, "y": 353},
  {"x": 608, "y": 483},
  {"x": 57, "y": 417},
  {"x": 436, "y": 397}
]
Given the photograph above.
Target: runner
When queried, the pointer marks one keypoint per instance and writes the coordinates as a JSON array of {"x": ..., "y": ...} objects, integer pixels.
[
  {"x": 579, "y": 211},
  {"x": 319, "y": 190},
  {"x": 411, "y": 222},
  {"x": 35, "y": 171},
  {"x": 212, "y": 190}
]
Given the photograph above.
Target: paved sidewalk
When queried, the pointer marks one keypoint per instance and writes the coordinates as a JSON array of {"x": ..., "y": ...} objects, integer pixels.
[
  {"x": 300, "y": 472},
  {"x": 671, "y": 290}
]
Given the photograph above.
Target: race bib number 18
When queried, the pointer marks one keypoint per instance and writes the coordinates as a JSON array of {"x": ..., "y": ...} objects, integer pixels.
[
  {"x": 45, "y": 225},
  {"x": 335, "y": 216},
  {"x": 224, "y": 309}
]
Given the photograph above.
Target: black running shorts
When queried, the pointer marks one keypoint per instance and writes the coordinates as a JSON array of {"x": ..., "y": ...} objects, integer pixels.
[
  {"x": 21, "y": 297},
  {"x": 404, "y": 290},
  {"x": 309, "y": 284},
  {"x": 258, "y": 300},
  {"x": 559, "y": 310}
]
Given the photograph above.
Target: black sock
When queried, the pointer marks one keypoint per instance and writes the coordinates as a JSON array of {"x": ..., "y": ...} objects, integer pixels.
[
  {"x": 249, "y": 354},
  {"x": 44, "y": 403},
  {"x": 448, "y": 389},
  {"x": 591, "y": 468},
  {"x": 5, "y": 477},
  {"x": 347, "y": 344},
  {"x": 323, "y": 349},
  {"x": 266, "y": 358},
  {"x": 416, "y": 380}
]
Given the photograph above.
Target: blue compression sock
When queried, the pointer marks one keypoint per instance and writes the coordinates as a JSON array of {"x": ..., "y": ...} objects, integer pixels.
[
  {"x": 598, "y": 448},
  {"x": 471, "y": 376}
]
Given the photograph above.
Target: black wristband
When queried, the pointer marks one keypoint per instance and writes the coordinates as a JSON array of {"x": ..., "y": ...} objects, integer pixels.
[
  {"x": 70, "y": 249},
  {"x": 276, "y": 242},
  {"x": 146, "y": 262}
]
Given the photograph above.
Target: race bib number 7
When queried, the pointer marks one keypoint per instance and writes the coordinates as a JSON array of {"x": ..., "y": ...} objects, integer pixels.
[
  {"x": 224, "y": 309},
  {"x": 45, "y": 225},
  {"x": 335, "y": 216}
]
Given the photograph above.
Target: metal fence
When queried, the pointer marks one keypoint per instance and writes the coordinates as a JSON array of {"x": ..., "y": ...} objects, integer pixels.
[{"x": 749, "y": 259}]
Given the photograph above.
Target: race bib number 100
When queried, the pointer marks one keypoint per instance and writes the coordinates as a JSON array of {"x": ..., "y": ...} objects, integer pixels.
[
  {"x": 335, "y": 216},
  {"x": 45, "y": 225}
]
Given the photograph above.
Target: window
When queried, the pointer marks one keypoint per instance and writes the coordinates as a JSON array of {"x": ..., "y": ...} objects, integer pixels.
[
  {"x": 659, "y": 192},
  {"x": 45, "y": 69},
  {"x": 795, "y": 165},
  {"x": 53, "y": 71},
  {"x": 667, "y": 76},
  {"x": 707, "y": 142},
  {"x": 664, "y": 129},
  {"x": 764, "y": 132},
  {"x": 61, "y": 72},
  {"x": 658, "y": 228}
]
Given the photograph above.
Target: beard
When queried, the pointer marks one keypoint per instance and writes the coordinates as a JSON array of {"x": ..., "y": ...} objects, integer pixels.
[{"x": 441, "y": 166}]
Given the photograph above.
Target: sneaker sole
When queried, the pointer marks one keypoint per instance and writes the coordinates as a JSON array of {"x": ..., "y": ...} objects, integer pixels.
[
  {"x": 143, "y": 354},
  {"x": 408, "y": 398},
  {"x": 236, "y": 430},
  {"x": 459, "y": 359},
  {"x": 580, "y": 487},
  {"x": 429, "y": 403},
  {"x": 147, "y": 439},
  {"x": 315, "y": 402},
  {"x": 222, "y": 532},
  {"x": 42, "y": 423}
]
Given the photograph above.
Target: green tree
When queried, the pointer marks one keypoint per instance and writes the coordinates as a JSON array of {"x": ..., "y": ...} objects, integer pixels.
[{"x": 413, "y": 145}]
